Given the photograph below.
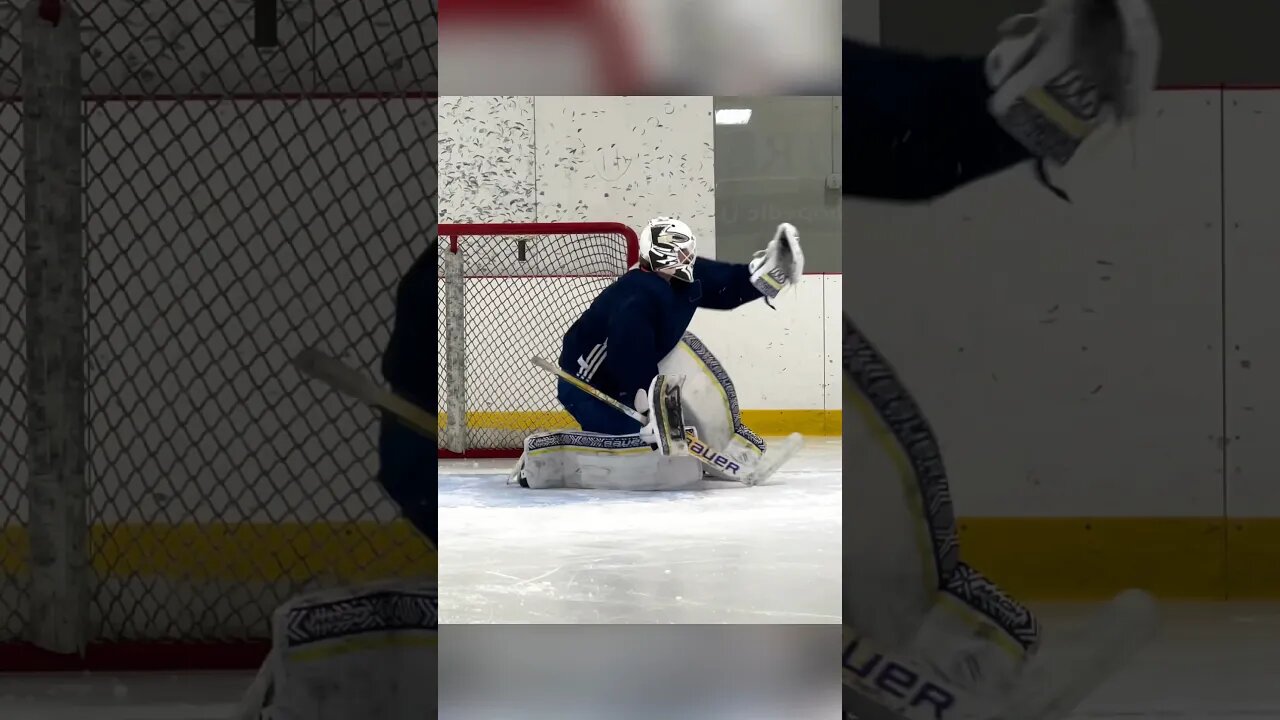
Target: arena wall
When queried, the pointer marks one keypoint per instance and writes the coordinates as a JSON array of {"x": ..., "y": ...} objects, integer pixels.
[
  {"x": 1102, "y": 373},
  {"x": 628, "y": 159},
  {"x": 1099, "y": 372}
]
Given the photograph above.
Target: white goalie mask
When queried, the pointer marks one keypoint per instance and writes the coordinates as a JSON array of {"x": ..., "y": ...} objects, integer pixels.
[{"x": 668, "y": 244}]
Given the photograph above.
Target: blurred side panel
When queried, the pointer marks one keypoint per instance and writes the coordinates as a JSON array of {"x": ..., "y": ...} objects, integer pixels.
[
  {"x": 581, "y": 672},
  {"x": 639, "y": 47},
  {"x": 862, "y": 20}
]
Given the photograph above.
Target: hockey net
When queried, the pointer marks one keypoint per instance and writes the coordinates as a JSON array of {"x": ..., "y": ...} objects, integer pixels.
[
  {"x": 508, "y": 292},
  {"x": 220, "y": 185}
]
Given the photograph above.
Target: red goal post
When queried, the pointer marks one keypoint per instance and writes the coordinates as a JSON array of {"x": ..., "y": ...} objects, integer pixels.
[{"x": 508, "y": 292}]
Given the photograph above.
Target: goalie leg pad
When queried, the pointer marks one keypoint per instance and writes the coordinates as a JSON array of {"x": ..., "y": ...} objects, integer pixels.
[
  {"x": 977, "y": 635},
  {"x": 666, "y": 428},
  {"x": 595, "y": 461},
  {"x": 359, "y": 652},
  {"x": 710, "y": 404},
  {"x": 404, "y": 457},
  {"x": 904, "y": 558},
  {"x": 887, "y": 685}
]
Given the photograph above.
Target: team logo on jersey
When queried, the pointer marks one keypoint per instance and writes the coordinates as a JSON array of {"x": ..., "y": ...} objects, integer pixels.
[{"x": 588, "y": 366}]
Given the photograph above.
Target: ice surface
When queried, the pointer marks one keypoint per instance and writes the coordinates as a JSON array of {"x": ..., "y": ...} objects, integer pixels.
[
  {"x": 1211, "y": 661},
  {"x": 724, "y": 554},
  {"x": 128, "y": 696},
  {"x": 730, "y": 554}
]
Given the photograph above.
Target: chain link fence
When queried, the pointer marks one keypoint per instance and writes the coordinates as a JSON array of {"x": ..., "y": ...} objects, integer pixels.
[
  {"x": 242, "y": 199},
  {"x": 14, "y": 575}
]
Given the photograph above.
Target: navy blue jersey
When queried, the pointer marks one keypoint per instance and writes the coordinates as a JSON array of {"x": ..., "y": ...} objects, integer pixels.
[
  {"x": 407, "y": 458},
  {"x": 617, "y": 343},
  {"x": 917, "y": 127},
  {"x": 414, "y": 337}
]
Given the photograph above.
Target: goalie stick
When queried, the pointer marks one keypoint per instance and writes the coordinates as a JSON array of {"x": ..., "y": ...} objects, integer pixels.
[
  {"x": 338, "y": 376},
  {"x": 350, "y": 382},
  {"x": 709, "y": 456},
  {"x": 1069, "y": 671}
]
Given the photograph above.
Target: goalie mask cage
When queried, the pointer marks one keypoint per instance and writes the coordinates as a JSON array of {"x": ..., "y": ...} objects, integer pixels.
[
  {"x": 190, "y": 193},
  {"x": 508, "y": 292}
]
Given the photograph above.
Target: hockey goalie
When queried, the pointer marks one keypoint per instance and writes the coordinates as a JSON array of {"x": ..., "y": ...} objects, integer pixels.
[
  {"x": 657, "y": 410},
  {"x": 927, "y": 635},
  {"x": 369, "y": 651}
]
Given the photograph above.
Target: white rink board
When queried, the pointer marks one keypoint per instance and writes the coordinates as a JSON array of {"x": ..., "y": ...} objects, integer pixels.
[
  {"x": 486, "y": 147},
  {"x": 510, "y": 159},
  {"x": 1068, "y": 355},
  {"x": 578, "y": 159},
  {"x": 778, "y": 358},
  {"x": 1253, "y": 342},
  {"x": 628, "y": 160}
]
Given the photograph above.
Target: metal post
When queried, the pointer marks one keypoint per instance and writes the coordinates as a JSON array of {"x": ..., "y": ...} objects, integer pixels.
[
  {"x": 55, "y": 327},
  {"x": 455, "y": 347}
]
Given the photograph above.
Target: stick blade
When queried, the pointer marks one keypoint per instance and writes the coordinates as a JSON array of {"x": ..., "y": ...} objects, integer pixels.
[
  {"x": 775, "y": 457},
  {"x": 1087, "y": 659}
]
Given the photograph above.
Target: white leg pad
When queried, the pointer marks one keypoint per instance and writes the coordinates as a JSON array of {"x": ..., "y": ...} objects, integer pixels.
[
  {"x": 357, "y": 652},
  {"x": 711, "y": 403},
  {"x": 594, "y": 461}
]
